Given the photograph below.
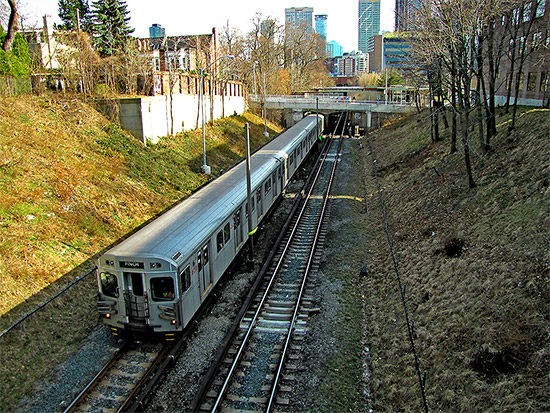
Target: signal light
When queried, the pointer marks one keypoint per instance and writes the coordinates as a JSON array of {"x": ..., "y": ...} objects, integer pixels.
[{"x": 107, "y": 315}]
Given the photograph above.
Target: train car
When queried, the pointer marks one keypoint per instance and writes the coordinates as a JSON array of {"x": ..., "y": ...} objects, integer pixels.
[{"x": 155, "y": 280}]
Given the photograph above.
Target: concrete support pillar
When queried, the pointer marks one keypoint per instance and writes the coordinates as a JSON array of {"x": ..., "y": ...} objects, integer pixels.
[
  {"x": 292, "y": 116},
  {"x": 369, "y": 119}
]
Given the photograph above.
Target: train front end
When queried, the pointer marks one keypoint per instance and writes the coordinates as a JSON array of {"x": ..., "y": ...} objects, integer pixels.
[{"x": 138, "y": 295}]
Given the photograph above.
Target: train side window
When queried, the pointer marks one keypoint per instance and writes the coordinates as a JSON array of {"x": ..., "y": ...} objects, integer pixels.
[
  {"x": 109, "y": 284},
  {"x": 259, "y": 195},
  {"x": 226, "y": 233},
  {"x": 199, "y": 260},
  {"x": 291, "y": 159},
  {"x": 267, "y": 186},
  {"x": 205, "y": 254},
  {"x": 185, "y": 278},
  {"x": 162, "y": 288},
  {"x": 219, "y": 241}
]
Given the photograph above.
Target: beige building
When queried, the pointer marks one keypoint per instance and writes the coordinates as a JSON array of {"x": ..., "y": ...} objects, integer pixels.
[{"x": 45, "y": 51}]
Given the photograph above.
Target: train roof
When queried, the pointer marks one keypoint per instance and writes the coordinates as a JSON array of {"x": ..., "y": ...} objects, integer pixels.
[{"x": 188, "y": 224}]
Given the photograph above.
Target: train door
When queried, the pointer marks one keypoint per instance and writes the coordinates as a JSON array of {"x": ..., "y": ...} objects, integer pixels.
[
  {"x": 188, "y": 296},
  {"x": 203, "y": 269},
  {"x": 136, "y": 299},
  {"x": 274, "y": 180},
  {"x": 281, "y": 178},
  {"x": 259, "y": 202},
  {"x": 237, "y": 221}
]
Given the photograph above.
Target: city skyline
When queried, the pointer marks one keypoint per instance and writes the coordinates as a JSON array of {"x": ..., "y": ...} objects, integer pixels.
[{"x": 178, "y": 19}]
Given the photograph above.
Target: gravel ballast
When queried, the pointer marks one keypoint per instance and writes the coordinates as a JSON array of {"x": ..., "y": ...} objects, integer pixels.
[{"x": 320, "y": 366}]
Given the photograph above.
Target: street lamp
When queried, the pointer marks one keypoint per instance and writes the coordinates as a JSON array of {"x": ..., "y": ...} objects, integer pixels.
[
  {"x": 205, "y": 168},
  {"x": 266, "y": 134}
]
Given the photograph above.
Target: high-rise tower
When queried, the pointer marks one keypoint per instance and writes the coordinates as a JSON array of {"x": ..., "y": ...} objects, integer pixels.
[
  {"x": 405, "y": 11},
  {"x": 321, "y": 25},
  {"x": 369, "y": 24},
  {"x": 300, "y": 16}
]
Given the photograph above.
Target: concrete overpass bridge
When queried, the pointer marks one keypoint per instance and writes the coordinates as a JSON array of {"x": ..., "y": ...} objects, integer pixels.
[{"x": 295, "y": 107}]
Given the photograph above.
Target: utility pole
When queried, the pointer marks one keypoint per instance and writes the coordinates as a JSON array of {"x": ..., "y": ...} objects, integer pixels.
[{"x": 251, "y": 231}]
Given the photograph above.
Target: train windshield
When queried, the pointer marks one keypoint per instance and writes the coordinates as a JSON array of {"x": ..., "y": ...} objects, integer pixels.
[
  {"x": 162, "y": 288},
  {"x": 109, "y": 284}
]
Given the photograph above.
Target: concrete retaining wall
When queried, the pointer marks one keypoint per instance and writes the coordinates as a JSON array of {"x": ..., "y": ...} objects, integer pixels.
[{"x": 149, "y": 118}]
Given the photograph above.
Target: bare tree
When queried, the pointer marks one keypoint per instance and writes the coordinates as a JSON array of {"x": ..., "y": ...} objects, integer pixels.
[
  {"x": 304, "y": 49},
  {"x": 448, "y": 38},
  {"x": 489, "y": 60},
  {"x": 79, "y": 63},
  {"x": 13, "y": 22},
  {"x": 520, "y": 29}
]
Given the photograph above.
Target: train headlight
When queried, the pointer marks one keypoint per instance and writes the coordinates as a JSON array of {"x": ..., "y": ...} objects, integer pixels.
[
  {"x": 173, "y": 322},
  {"x": 107, "y": 315}
]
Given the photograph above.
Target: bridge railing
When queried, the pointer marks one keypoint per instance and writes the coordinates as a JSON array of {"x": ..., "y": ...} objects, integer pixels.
[{"x": 323, "y": 100}]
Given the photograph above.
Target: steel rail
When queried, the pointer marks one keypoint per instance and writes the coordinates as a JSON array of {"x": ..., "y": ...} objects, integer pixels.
[
  {"x": 246, "y": 338},
  {"x": 304, "y": 281},
  {"x": 129, "y": 399},
  {"x": 222, "y": 350},
  {"x": 162, "y": 357},
  {"x": 91, "y": 385}
]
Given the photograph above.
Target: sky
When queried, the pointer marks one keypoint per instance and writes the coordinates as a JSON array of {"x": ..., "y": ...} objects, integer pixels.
[{"x": 182, "y": 17}]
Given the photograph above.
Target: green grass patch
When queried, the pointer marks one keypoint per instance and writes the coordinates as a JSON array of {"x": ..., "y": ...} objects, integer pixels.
[{"x": 73, "y": 183}]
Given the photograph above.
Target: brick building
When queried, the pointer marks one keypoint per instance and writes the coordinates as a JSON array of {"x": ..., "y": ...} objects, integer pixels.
[{"x": 534, "y": 30}]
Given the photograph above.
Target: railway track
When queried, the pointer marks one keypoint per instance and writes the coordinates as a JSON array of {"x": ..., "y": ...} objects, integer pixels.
[
  {"x": 256, "y": 367},
  {"x": 121, "y": 379}
]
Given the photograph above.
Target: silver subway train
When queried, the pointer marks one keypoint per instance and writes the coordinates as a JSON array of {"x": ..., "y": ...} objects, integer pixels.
[{"x": 155, "y": 280}]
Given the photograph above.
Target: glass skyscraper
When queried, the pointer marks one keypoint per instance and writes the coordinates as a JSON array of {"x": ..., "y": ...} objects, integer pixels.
[
  {"x": 368, "y": 24},
  {"x": 321, "y": 25}
]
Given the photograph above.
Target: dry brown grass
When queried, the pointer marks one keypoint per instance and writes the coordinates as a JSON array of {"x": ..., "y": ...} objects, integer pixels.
[
  {"x": 481, "y": 310},
  {"x": 71, "y": 184},
  {"x": 51, "y": 180}
]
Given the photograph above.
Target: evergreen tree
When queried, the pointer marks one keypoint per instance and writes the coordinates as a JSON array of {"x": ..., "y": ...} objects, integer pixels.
[
  {"x": 68, "y": 14},
  {"x": 17, "y": 61},
  {"x": 110, "y": 26}
]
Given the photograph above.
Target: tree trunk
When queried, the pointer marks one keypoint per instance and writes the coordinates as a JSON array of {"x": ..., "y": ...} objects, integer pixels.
[
  {"x": 12, "y": 26},
  {"x": 464, "y": 103},
  {"x": 431, "y": 114},
  {"x": 493, "y": 64},
  {"x": 453, "y": 116},
  {"x": 480, "y": 105},
  {"x": 509, "y": 85},
  {"x": 465, "y": 128}
]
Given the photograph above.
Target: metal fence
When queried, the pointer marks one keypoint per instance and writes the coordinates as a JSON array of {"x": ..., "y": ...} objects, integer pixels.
[{"x": 14, "y": 86}]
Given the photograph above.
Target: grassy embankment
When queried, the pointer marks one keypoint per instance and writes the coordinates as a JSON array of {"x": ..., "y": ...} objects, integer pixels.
[
  {"x": 476, "y": 265},
  {"x": 72, "y": 183}
]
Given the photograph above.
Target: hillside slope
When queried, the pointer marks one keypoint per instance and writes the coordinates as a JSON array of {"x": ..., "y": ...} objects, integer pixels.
[
  {"x": 475, "y": 263},
  {"x": 72, "y": 183}
]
